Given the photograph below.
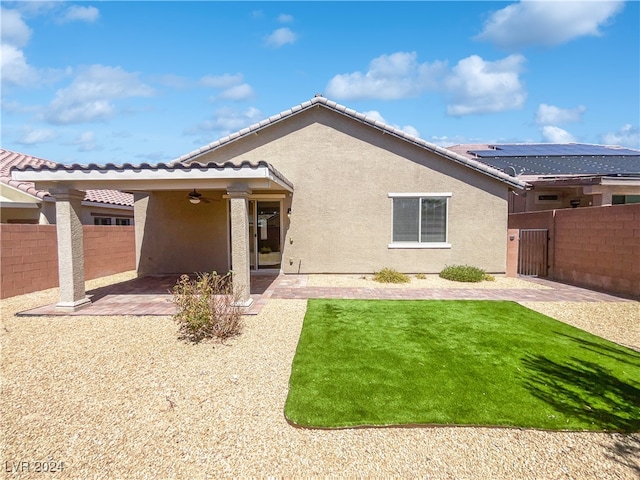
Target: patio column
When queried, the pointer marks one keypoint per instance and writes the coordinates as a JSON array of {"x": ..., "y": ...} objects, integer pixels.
[
  {"x": 240, "y": 243},
  {"x": 70, "y": 249}
]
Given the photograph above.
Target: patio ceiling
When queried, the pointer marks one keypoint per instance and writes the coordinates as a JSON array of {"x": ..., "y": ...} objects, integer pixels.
[{"x": 146, "y": 177}]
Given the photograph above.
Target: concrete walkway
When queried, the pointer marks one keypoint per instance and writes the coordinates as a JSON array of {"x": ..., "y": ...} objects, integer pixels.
[{"x": 151, "y": 295}]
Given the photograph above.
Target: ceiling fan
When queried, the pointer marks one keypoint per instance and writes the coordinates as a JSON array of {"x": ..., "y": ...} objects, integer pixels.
[{"x": 196, "y": 197}]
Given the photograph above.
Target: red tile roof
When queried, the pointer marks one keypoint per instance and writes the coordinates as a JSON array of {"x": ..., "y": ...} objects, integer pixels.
[{"x": 10, "y": 159}]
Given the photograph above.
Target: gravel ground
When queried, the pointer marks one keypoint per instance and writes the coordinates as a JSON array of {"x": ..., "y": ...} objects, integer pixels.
[
  {"x": 431, "y": 281},
  {"x": 615, "y": 321},
  {"x": 121, "y": 397}
]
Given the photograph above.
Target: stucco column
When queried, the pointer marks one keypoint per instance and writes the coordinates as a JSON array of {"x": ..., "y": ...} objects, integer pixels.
[
  {"x": 240, "y": 243},
  {"x": 70, "y": 249}
]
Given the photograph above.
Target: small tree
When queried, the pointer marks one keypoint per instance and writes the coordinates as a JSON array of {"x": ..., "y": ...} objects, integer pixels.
[{"x": 206, "y": 307}]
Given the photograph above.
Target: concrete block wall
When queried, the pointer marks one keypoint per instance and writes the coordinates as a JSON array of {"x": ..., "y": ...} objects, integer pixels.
[
  {"x": 29, "y": 255},
  {"x": 596, "y": 247},
  {"x": 108, "y": 250},
  {"x": 28, "y": 258},
  {"x": 599, "y": 247}
]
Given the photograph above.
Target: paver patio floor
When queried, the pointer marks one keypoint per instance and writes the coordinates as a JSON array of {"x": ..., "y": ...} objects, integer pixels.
[{"x": 152, "y": 295}]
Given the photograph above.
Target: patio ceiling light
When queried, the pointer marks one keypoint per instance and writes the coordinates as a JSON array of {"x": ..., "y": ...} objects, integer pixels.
[{"x": 194, "y": 197}]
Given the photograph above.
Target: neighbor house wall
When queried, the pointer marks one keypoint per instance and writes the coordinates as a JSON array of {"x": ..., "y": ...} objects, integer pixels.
[
  {"x": 597, "y": 247},
  {"x": 29, "y": 255},
  {"x": 343, "y": 171},
  {"x": 90, "y": 212}
]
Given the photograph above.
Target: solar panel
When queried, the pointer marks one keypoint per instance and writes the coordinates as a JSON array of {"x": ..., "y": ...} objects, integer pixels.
[
  {"x": 569, "y": 165},
  {"x": 554, "y": 149}
]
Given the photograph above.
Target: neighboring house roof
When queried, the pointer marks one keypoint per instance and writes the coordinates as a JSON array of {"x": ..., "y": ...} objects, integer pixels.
[
  {"x": 321, "y": 101},
  {"x": 538, "y": 159},
  {"x": 10, "y": 159}
]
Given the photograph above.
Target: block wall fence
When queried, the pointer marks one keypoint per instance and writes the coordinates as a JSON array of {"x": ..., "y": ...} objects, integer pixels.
[
  {"x": 594, "y": 247},
  {"x": 29, "y": 255}
]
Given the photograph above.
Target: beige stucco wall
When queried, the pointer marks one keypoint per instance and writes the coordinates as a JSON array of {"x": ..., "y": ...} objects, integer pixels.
[
  {"x": 44, "y": 212},
  {"x": 16, "y": 215},
  {"x": 175, "y": 236},
  {"x": 342, "y": 172}
]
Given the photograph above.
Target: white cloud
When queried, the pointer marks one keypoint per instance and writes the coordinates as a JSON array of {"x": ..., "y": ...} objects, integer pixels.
[
  {"x": 38, "y": 7},
  {"x": 552, "y": 115},
  {"x": 375, "y": 115},
  {"x": 547, "y": 23},
  {"x": 90, "y": 95},
  {"x": 15, "y": 69},
  {"x": 14, "y": 31},
  {"x": 234, "y": 88},
  {"x": 82, "y": 14},
  {"x": 32, "y": 136},
  {"x": 280, "y": 37},
  {"x": 285, "y": 18},
  {"x": 224, "y": 122},
  {"x": 479, "y": 86},
  {"x": 556, "y": 135},
  {"x": 627, "y": 136},
  {"x": 221, "y": 81},
  {"x": 237, "y": 92},
  {"x": 15, "y": 34},
  {"x": 389, "y": 77},
  {"x": 86, "y": 142}
]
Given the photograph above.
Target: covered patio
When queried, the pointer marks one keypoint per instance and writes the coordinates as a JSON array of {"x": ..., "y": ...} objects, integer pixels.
[{"x": 176, "y": 231}]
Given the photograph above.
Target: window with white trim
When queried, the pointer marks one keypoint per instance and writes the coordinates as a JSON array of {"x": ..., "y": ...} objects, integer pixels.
[{"x": 420, "y": 220}]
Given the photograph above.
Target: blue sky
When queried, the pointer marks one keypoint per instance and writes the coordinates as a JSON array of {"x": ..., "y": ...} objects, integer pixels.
[{"x": 149, "y": 81}]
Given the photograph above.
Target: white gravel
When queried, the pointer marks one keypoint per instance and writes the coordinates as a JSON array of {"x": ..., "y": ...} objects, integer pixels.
[
  {"x": 431, "y": 281},
  {"x": 121, "y": 397}
]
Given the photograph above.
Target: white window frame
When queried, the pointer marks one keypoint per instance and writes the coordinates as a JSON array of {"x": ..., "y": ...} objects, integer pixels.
[{"x": 419, "y": 244}]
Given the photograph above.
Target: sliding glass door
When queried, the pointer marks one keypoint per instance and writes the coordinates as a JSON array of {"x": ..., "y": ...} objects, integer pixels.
[{"x": 264, "y": 233}]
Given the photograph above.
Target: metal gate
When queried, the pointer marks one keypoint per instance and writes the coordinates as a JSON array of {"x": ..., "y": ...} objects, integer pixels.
[{"x": 533, "y": 252}]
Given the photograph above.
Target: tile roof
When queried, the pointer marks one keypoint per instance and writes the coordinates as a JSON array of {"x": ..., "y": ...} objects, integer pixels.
[
  {"x": 555, "y": 159},
  {"x": 319, "y": 100},
  {"x": 111, "y": 167},
  {"x": 10, "y": 160}
]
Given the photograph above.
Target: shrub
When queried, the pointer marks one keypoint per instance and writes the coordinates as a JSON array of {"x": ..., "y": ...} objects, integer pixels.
[
  {"x": 205, "y": 307},
  {"x": 389, "y": 275},
  {"x": 421, "y": 276},
  {"x": 464, "y": 273},
  {"x": 265, "y": 250}
]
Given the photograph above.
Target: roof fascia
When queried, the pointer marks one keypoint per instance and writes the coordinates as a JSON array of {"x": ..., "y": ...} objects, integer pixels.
[{"x": 132, "y": 178}]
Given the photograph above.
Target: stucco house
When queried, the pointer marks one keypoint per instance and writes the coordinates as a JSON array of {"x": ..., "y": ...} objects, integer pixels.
[
  {"x": 563, "y": 175},
  {"x": 318, "y": 188},
  {"x": 22, "y": 202}
]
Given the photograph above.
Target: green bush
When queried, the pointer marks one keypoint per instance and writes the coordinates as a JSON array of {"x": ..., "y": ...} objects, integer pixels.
[
  {"x": 206, "y": 307},
  {"x": 389, "y": 275},
  {"x": 421, "y": 276},
  {"x": 465, "y": 273}
]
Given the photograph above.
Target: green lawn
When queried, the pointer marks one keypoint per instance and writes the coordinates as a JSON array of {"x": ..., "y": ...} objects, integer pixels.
[{"x": 398, "y": 362}]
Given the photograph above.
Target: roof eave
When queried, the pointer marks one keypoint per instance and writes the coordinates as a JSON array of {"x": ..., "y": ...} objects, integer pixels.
[{"x": 157, "y": 177}]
